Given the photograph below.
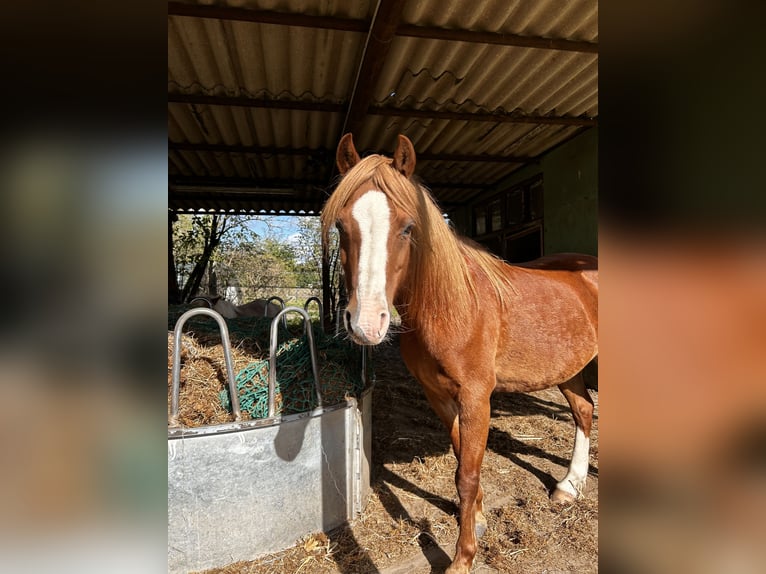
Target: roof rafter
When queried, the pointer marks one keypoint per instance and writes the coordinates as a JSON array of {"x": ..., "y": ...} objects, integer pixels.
[
  {"x": 271, "y": 150},
  {"x": 232, "y": 183},
  {"x": 388, "y": 13},
  {"x": 482, "y": 116},
  {"x": 509, "y": 117},
  {"x": 266, "y": 17},
  {"x": 252, "y": 149},
  {"x": 497, "y": 38},
  {"x": 244, "y": 101},
  {"x": 356, "y": 25},
  {"x": 277, "y": 186}
]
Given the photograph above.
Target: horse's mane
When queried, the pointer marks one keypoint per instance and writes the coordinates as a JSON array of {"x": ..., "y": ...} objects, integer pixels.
[{"x": 443, "y": 266}]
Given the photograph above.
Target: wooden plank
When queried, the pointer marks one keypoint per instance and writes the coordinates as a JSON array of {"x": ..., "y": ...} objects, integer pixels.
[{"x": 383, "y": 28}]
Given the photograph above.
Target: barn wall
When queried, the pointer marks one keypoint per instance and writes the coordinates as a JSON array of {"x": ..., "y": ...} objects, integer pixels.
[{"x": 570, "y": 182}]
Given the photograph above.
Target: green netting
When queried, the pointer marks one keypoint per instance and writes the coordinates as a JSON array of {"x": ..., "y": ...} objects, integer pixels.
[
  {"x": 339, "y": 364},
  {"x": 295, "y": 390}
]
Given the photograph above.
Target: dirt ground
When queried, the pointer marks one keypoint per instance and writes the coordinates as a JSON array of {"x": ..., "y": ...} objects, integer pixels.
[{"x": 409, "y": 525}]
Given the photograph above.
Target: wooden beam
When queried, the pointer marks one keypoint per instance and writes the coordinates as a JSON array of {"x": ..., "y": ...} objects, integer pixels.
[
  {"x": 273, "y": 186},
  {"x": 271, "y": 150},
  {"x": 432, "y": 185},
  {"x": 260, "y": 150},
  {"x": 379, "y": 110},
  {"x": 208, "y": 195},
  {"x": 354, "y": 25},
  {"x": 473, "y": 158},
  {"x": 388, "y": 14},
  {"x": 276, "y": 186},
  {"x": 267, "y": 17},
  {"x": 235, "y": 196},
  {"x": 497, "y": 38},
  {"x": 244, "y": 101},
  {"x": 482, "y": 116}
]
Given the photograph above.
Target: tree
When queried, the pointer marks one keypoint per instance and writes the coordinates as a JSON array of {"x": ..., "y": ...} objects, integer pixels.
[
  {"x": 261, "y": 267},
  {"x": 174, "y": 293},
  {"x": 195, "y": 241},
  {"x": 232, "y": 254},
  {"x": 308, "y": 248}
]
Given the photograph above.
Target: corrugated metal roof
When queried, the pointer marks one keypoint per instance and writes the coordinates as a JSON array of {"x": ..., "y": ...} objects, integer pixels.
[{"x": 259, "y": 92}]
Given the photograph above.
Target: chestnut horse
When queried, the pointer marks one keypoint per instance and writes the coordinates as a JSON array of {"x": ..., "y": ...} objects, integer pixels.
[{"x": 471, "y": 323}]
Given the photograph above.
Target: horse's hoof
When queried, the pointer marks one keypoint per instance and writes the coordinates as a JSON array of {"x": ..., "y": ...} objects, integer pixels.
[
  {"x": 562, "y": 497},
  {"x": 454, "y": 569}
]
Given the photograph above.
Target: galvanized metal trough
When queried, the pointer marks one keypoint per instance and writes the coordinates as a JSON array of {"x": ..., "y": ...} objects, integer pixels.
[{"x": 243, "y": 489}]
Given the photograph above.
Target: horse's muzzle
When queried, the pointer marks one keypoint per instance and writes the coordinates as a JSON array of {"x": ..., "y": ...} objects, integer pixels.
[{"x": 367, "y": 323}]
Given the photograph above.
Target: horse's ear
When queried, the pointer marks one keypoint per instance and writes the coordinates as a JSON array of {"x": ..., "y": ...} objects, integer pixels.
[
  {"x": 404, "y": 156},
  {"x": 346, "y": 156}
]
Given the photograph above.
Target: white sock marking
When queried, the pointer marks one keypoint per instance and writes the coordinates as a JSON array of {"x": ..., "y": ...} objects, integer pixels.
[{"x": 574, "y": 481}]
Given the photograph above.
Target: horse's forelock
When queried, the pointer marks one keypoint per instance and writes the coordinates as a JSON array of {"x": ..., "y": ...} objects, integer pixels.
[
  {"x": 362, "y": 172},
  {"x": 405, "y": 194}
]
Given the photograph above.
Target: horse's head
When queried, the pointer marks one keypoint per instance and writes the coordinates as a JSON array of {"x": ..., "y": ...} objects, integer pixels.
[{"x": 375, "y": 232}]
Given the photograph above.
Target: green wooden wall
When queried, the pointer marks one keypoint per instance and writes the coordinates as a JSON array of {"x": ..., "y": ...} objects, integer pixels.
[{"x": 570, "y": 183}]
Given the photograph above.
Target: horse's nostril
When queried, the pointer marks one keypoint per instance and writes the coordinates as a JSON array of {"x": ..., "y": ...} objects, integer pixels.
[
  {"x": 383, "y": 322},
  {"x": 348, "y": 317}
]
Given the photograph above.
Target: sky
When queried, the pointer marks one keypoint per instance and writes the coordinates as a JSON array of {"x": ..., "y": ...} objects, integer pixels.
[
  {"x": 280, "y": 226},
  {"x": 284, "y": 228}
]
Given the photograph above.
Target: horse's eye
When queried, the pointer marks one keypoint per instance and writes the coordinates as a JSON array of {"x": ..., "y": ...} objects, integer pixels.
[{"x": 407, "y": 231}]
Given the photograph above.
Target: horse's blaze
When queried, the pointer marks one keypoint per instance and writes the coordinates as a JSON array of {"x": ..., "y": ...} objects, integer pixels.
[{"x": 367, "y": 315}]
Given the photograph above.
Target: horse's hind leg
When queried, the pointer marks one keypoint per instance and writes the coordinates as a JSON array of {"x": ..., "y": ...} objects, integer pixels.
[{"x": 582, "y": 410}]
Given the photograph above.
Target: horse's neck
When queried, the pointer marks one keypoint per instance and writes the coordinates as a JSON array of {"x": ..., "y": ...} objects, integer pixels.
[{"x": 447, "y": 302}]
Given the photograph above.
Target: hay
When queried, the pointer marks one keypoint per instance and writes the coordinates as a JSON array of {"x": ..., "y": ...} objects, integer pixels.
[{"x": 204, "y": 392}]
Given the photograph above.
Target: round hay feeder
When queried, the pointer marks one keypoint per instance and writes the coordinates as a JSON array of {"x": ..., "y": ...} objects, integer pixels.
[{"x": 243, "y": 489}]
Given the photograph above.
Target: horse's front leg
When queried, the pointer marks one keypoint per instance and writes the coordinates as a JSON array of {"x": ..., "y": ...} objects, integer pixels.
[
  {"x": 446, "y": 407},
  {"x": 474, "y": 428}
]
